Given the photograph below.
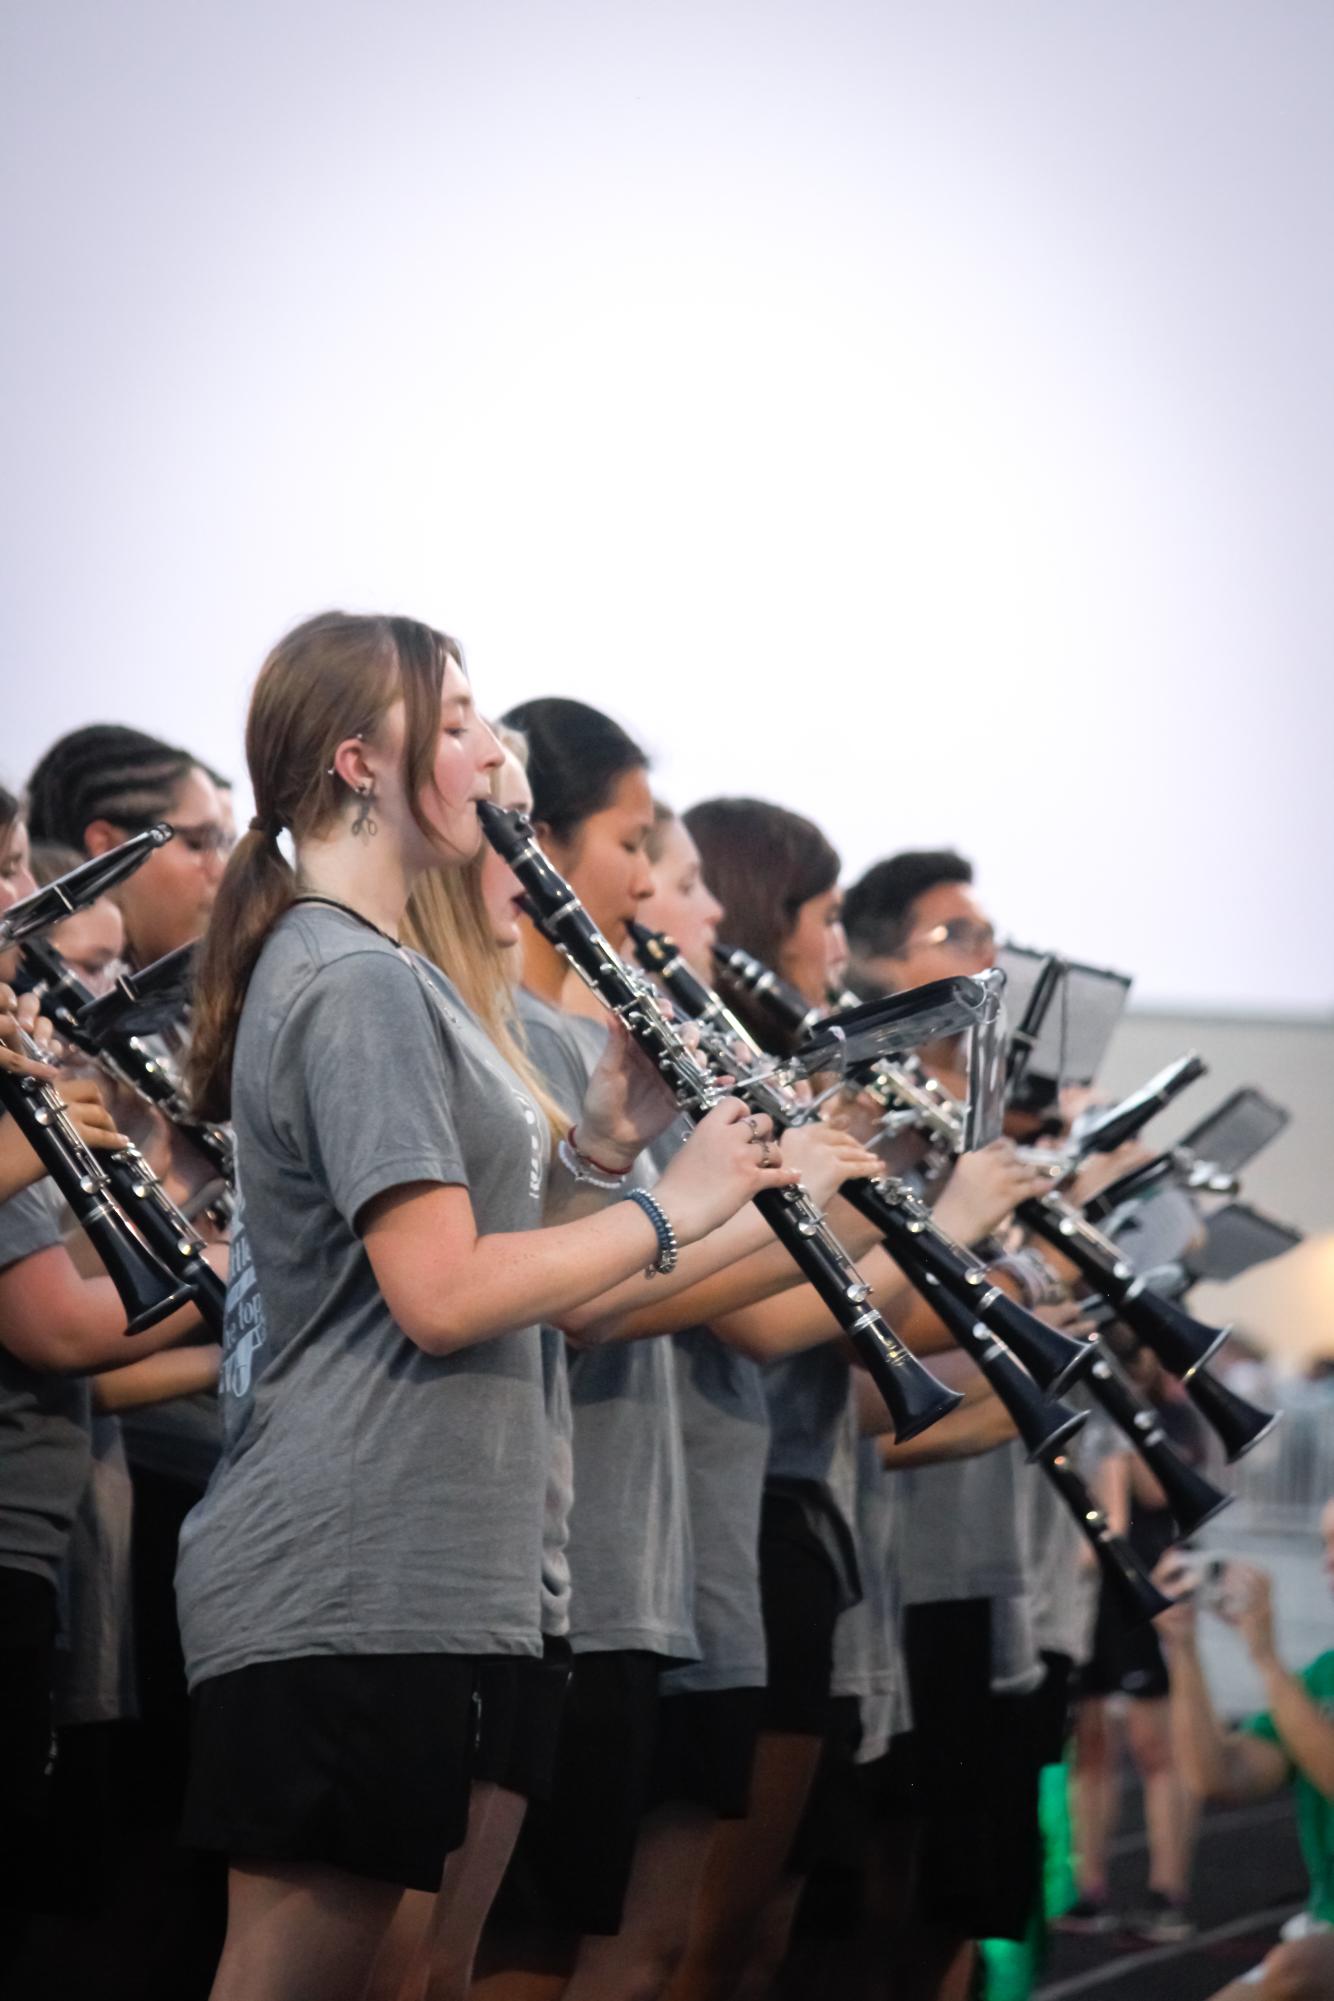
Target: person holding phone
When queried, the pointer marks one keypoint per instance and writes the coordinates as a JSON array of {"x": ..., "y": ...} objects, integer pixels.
[{"x": 1290, "y": 1742}]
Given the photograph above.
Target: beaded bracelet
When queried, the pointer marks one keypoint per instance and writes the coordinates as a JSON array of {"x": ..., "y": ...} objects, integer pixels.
[{"x": 666, "y": 1235}]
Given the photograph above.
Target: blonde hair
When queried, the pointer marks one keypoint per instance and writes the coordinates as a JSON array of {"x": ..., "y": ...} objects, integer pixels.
[{"x": 447, "y": 922}]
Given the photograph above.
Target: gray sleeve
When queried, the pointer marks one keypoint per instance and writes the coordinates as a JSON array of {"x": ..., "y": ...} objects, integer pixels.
[
  {"x": 29, "y": 1222},
  {"x": 561, "y": 1064},
  {"x": 359, "y": 1084}
]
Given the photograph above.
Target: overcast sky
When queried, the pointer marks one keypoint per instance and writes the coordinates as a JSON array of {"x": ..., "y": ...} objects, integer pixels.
[{"x": 920, "y": 415}]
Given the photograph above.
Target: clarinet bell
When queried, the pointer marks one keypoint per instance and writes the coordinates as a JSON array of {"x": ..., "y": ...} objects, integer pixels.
[
  {"x": 1239, "y": 1425},
  {"x": 1044, "y": 1424},
  {"x": 1053, "y": 1359},
  {"x": 1139, "y": 1596},
  {"x": 914, "y": 1398},
  {"x": 1181, "y": 1343},
  {"x": 1191, "y": 1499}
]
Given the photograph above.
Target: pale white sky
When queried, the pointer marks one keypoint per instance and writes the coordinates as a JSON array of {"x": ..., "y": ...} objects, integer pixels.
[{"x": 921, "y": 415}]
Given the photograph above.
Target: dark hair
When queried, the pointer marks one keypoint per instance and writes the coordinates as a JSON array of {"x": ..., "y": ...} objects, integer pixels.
[
  {"x": 877, "y": 910},
  {"x": 103, "y": 772},
  {"x": 575, "y": 756},
  {"x": 9, "y": 811},
  {"x": 49, "y": 860},
  {"x": 762, "y": 863},
  {"x": 331, "y": 678}
]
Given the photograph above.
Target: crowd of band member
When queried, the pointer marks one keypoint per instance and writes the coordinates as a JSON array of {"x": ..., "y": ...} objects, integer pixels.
[{"x": 558, "y": 1613}]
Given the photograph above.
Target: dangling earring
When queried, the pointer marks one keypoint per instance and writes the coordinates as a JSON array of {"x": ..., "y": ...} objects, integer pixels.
[{"x": 365, "y": 822}]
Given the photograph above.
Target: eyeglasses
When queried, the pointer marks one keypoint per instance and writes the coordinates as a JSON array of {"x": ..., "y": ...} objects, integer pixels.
[
  {"x": 961, "y": 934},
  {"x": 208, "y": 838}
]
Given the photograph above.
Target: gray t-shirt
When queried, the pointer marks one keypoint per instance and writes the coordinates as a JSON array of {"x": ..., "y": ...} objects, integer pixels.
[
  {"x": 1064, "y": 1585},
  {"x": 630, "y": 1558},
  {"x": 370, "y": 1498},
  {"x": 962, "y": 1539},
  {"x": 813, "y": 1441},
  {"x": 725, "y": 1432},
  {"x": 868, "y": 1651},
  {"x": 44, "y": 1449},
  {"x": 559, "y": 1486}
]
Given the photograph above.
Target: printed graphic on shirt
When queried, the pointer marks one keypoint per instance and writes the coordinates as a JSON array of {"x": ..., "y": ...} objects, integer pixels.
[{"x": 243, "y": 1328}]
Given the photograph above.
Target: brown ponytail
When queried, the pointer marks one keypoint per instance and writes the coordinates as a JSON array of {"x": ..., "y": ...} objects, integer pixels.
[{"x": 331, "y": 678}]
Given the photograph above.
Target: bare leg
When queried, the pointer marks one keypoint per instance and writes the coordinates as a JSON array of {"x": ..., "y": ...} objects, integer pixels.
[
  {"x": 443, "y": 1970},
  {"x": 744, "y": 1869},
  {"x": 1169, "y": 1813},
  {"x": 301, "y": 1934},
  {"x": 637, "y": 1963},
  {"x": 1094, "y": 1799}
]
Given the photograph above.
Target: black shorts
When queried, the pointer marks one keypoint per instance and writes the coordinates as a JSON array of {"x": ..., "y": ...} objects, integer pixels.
[
  {"x": 975, "y": 1767},
  {"x": 573, "y": 1862},
  {"x": 831, "y": 1826},
  {"x": 521, "y": 1699},
  {"x": 705, "y": 1749},
  {"x": 800, "y": 1596},
  {"x": 360, "y": 1762},
  {"x": 27, "y": 1656},
  {"x": 1126, "y": 1658}
]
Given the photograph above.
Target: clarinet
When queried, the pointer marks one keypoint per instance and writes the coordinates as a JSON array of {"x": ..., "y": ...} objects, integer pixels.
[
  {"x": 1238, "y": 1424},
  {"x": 148, "y": 1289},
  {"x": 127, "y": 1059},
  {"x": 912, "y": 1394},
  {"x": 907, "y": 1227},
  {"x": 167, "y": 1232},
  {"x": 1044, "y": 1425}
]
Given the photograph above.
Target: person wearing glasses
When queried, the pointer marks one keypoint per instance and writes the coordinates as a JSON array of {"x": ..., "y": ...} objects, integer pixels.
[{"x": 97, "y": 786}]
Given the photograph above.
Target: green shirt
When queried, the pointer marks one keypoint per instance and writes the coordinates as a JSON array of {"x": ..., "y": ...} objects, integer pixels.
[{"x": 1315, "y": 1813}]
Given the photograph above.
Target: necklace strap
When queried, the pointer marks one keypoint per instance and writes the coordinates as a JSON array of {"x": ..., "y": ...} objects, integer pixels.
[{"x": 334, "y": 903}]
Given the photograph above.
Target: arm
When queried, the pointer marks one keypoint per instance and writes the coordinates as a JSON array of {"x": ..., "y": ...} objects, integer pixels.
[
  {"x": 1304, "y": 1732},
  {"x": 1215, "y": 1763},
  {"x": 974, "y": 1427},
  {"x": 53, "y": 1319},
  {"x": 736, "y": 1266},
  {"x": 449, "y": 1287},
  {"x": 176, "y": 1372}
]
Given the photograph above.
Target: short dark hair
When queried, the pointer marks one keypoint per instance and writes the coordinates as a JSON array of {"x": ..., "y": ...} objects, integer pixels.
[
  {"x": 877, "y": 910},
  {"x": 575, "y": 756}
]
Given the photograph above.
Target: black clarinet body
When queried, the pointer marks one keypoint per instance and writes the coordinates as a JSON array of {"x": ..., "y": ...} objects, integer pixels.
[
  {"x": 917, "y": 1244},
  {"x": 147, "y": 1288},
  {"x": 912, "y": 1394},
  {"x": 125, "y": 1058},
  {"x": 142, "y": 1198}
]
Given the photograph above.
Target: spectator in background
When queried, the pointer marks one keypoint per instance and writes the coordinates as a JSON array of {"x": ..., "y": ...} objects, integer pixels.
[{"x": 1291, "y": 1742}]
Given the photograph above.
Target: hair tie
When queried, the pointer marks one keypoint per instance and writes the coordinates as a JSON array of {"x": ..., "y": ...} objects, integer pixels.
[{"x": 270, "y": 828}]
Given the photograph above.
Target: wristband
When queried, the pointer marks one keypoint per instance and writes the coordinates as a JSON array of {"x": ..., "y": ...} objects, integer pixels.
[
  {"x": 666, "y": 1235},
  {"x": 612, "y": 1173},
  {"x": 578, "y": 1166}
]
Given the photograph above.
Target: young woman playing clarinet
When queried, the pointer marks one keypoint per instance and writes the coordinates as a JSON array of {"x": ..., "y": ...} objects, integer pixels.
[{"x": 375, "y": 1526}]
